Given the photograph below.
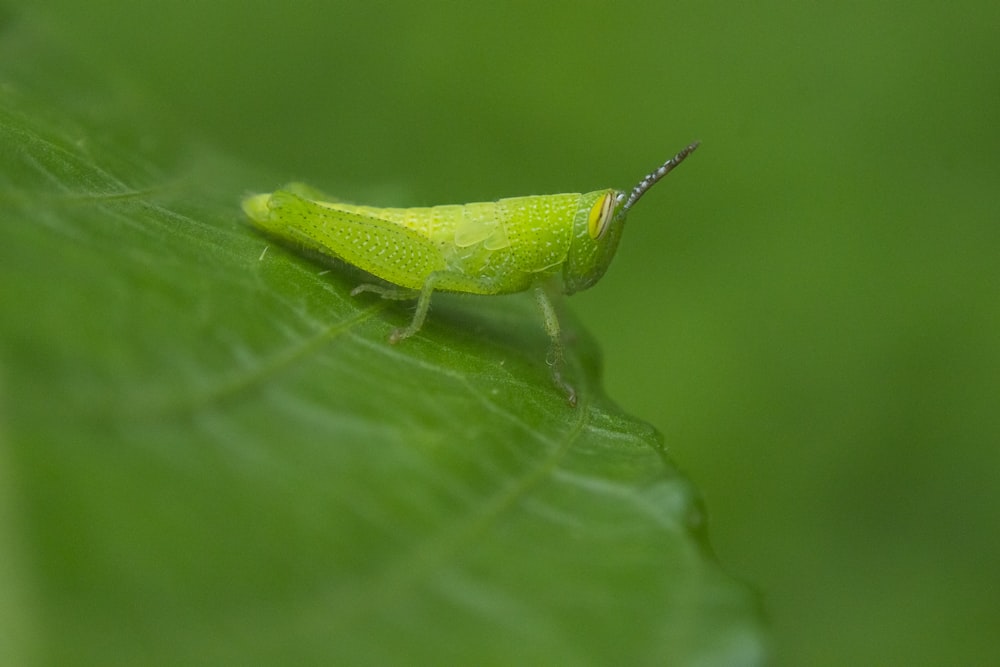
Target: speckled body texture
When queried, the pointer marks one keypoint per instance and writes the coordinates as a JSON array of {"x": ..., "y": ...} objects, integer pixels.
[
  {"x": 510, "y": 245},
  {"x": 497, "y": 247}
]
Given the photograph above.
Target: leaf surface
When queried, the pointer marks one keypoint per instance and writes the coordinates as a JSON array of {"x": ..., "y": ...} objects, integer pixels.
[{"x": 213, "y": 456}]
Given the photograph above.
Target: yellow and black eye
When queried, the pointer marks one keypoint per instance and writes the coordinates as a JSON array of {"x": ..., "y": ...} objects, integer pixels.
[{"x": 600, "y": 216}]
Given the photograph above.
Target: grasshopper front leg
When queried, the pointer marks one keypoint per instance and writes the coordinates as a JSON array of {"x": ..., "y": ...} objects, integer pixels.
[{"x": 556, "y": 357}]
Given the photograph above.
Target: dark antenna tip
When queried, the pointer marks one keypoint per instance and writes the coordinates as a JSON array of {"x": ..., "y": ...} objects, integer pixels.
[{"x": 651, "y": 178}]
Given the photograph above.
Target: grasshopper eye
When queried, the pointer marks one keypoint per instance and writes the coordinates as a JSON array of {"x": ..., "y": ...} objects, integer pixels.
[{"x": 600, "y": 216}]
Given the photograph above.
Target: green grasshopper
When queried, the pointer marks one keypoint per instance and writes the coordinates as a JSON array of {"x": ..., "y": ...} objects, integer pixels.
[{"x": 502, "y": 247}]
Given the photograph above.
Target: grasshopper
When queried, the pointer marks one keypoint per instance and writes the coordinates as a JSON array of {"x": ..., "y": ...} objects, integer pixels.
[{"x": 510, "y": 245}]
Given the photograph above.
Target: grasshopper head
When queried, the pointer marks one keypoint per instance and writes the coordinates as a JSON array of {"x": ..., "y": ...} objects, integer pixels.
[
  {"x": 597, "y": 228},
  {"x": 598, "y": 225}
]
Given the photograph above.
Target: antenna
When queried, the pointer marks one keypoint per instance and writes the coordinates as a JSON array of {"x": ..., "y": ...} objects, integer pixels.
[{"x": 651, "y": 178}]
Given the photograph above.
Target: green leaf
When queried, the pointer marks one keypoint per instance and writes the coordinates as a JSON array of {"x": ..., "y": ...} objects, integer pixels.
[{"x": 213, "y": 456}]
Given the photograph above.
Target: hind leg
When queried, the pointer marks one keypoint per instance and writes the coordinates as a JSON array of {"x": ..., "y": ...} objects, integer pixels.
[{"x": 423, "y": 297}]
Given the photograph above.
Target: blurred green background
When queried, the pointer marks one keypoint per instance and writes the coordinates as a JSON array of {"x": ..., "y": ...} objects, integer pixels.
[{"x": 809, "y": 309}]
